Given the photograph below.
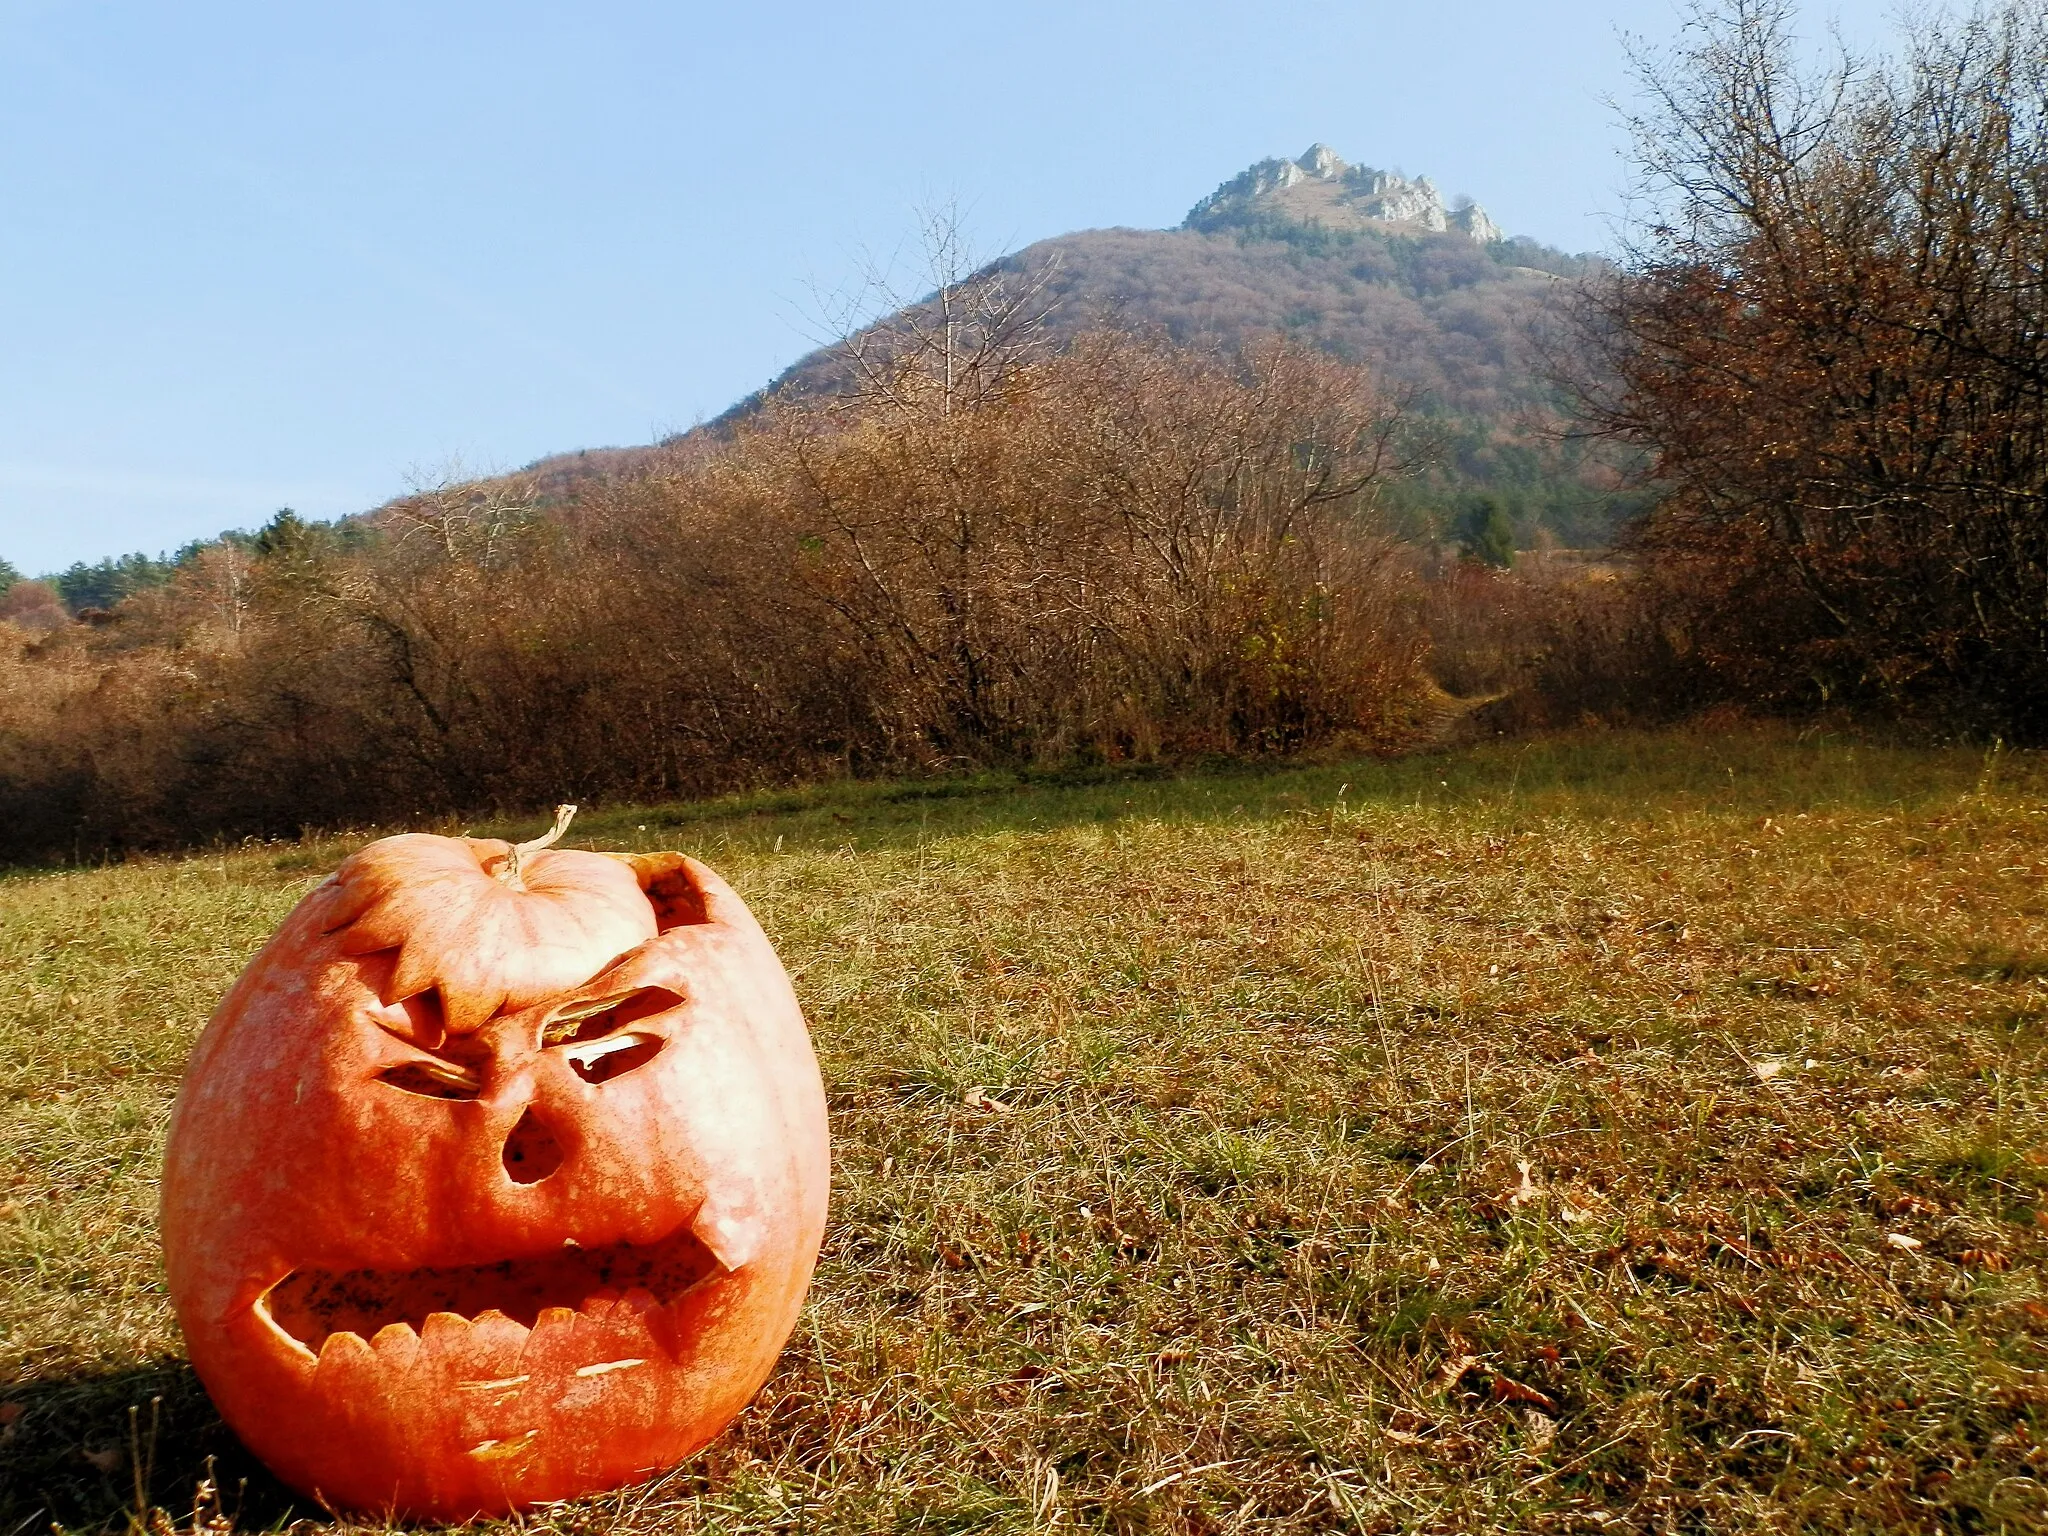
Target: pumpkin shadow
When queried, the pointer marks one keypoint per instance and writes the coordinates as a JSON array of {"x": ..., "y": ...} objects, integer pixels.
[{"x": 86, "y": 1451}]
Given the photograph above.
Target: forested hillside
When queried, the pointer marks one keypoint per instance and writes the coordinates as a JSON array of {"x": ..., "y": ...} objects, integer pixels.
[{"x": 1459, "y": 324}]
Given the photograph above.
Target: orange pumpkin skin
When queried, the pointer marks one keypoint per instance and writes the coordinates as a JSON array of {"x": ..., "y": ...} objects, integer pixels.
[{"x": 476, "y": 1196}]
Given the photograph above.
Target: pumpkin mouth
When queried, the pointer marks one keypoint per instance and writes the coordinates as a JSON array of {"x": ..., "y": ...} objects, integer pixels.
[{"x": 310, "y": 1305}]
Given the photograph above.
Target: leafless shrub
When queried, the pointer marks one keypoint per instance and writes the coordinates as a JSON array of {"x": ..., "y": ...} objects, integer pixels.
[
  {"x": 1121, "y": 549},
  {"x": 1834, "y": 337}
]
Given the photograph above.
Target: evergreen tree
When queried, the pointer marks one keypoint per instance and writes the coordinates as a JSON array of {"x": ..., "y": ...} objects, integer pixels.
[
  {"x": 1486, "y": 532},
  {"x": 285, "y": 535},
  {"x": 103, "y": 585}
]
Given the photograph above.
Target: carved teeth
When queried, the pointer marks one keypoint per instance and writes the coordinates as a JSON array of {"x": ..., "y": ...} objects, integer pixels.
[
  {"x": 551, "y": 1332},
  {"x": 340, "y": 1320},
  {"x": 497, "y": 1342},
  {"x": 396, "y": 1345},
  {"x": 554, "y": 1317},
  {"x": 345, "y": 1362},
  {"x": 444, "y": 1330},
  {"x": 343, "y": 1346},
  {"x": 607, "y": 1320}
]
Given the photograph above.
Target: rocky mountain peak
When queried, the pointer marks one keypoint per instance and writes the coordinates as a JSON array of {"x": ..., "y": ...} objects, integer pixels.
[
  {"x": 1322, "y": 188},
  {"x": 1322, "y": 161}
]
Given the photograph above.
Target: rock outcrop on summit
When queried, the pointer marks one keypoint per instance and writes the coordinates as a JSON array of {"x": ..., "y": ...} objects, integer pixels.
[{"x": 1320, "y": 188}]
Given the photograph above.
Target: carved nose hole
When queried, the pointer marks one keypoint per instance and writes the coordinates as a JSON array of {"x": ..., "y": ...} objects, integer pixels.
[{"x": 531, "y": 1151}]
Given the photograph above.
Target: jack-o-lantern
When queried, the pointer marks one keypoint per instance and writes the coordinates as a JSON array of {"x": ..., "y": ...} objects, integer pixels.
[{"x": 498, "y": 1177}]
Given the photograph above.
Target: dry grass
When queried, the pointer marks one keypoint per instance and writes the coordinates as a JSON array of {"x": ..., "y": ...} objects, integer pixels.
[{"x": 1618, "y": 1132}]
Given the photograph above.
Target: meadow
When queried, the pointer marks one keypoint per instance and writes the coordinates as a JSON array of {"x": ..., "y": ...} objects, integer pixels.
[{"x": 1607, "y": 1132}]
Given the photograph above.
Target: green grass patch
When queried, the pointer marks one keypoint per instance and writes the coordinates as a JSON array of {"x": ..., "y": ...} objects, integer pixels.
[{"x": 1621, "y": 1131}]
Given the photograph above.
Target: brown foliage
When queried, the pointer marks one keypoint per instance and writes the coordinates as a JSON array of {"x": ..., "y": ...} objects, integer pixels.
[
  {"x": 32, "y": 606},
  {"x": 1561, "y": 640},
  {"x": 1120, "y": 551},
  {"x": 1836, "y": 342}
]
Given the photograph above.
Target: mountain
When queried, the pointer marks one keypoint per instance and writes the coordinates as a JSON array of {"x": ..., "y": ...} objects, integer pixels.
[
  {"x": 1374, "y": 268},
  {"x": 1366, "y": 264}
]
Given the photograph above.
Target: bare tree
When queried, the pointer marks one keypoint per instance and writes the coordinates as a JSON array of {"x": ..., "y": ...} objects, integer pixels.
[
  {"x": 464, "y": 519},
  {"x": 958, "y": 326},
  {"x": 1832, "y": 333}
]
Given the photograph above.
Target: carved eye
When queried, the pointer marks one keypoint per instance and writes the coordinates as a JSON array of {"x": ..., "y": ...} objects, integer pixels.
[
  {"x": 433, "y": 1079},
  {"x": 593, "y": 1034},
  {"x": 450, "y": 1069},
  {"x": 598, "y": 1061}
]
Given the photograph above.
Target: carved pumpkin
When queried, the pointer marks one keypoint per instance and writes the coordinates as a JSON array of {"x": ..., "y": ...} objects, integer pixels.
[{"x": 498, "y": 1177}]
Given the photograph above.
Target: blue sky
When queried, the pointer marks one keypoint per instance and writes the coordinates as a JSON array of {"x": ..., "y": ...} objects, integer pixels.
[{"x": 258, "y": 254}]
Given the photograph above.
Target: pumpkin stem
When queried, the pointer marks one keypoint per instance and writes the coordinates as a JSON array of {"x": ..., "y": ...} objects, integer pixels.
[{"x": 509, "y": 873}]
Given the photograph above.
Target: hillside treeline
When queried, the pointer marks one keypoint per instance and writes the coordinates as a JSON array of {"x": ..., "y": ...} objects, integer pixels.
[{"x": 987, "y": 553}]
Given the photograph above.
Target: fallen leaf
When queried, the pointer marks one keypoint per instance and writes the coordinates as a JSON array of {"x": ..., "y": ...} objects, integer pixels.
[
  {"x": 1983, "y": 1258},
  {"x": 108, "y": 1460},
  {"x": 1507, "y": 1390},
  {"x": 1901, "y": 1241},
  {"x": 1540, "y": 1429},
  {"x": 1527, "y": 1192},
  {"x": 9, "y": 1412},
  {"x": 1454, "y": 1369},
  {"x": 980, "y": 1098},
  {"x": 1907, "y": 1205}
]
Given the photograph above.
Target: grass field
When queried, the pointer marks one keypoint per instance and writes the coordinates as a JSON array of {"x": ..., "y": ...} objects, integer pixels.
[{"x": 1615, "y": 1132}]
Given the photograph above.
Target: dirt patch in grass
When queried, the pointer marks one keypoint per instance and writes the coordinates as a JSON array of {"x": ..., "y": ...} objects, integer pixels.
[{"x": 1613, "y": 1132}]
